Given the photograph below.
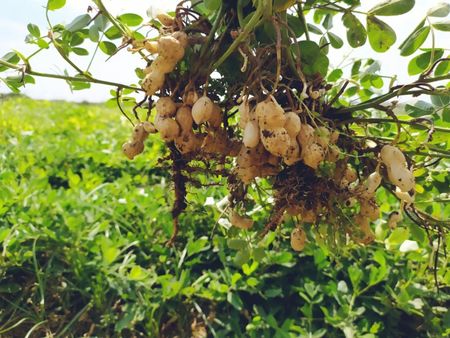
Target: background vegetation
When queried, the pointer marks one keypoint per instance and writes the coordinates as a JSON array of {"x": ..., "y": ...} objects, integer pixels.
[{"x": 82, "y": 234}]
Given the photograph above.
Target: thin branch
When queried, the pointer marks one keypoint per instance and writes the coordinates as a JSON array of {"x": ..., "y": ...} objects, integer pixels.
[
  {"x": 398, "y": 91},
  {"x": 381, "y": 120},
  {"x": 254, "y": 21},
  {"x": 67, "y": 78},
  {"x": 59, "y": 49}
]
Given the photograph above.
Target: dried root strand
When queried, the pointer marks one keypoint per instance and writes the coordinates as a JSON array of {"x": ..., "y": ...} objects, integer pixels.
[{"x": 179, "y": 180}]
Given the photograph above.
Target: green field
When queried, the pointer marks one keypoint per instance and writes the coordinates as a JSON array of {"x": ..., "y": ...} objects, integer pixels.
[{"x": 82, "y": 250}]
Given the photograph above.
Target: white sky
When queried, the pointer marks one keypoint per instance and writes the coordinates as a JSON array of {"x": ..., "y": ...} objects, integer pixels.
[{"x": 16, "y": 14}]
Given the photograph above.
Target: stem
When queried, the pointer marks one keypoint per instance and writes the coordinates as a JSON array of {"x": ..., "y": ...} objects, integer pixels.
[
  {"x": 213, "y": 31},
  {"x": 401, "y": 91},
  {"x": 118, "y": 25},
  {"x": 438, "y": 152},
  {"x": 254, "y": 21},
  {"x": 95, "y": 52},
  {"x": 240, "y": 12},
  {"x": 433, "y": 43},
  {"x": 67, "y": 78},
  {"x": 60, "y": 50},
  {"x": 34, "y": 53},
  {"x": 381, "y": 120},
  {"x": 301, "y": 16}
]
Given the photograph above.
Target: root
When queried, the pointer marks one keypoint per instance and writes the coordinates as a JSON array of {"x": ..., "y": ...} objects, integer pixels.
[
  {"x": 275, "y": 219},
  {"x": 179, "y": 180}
]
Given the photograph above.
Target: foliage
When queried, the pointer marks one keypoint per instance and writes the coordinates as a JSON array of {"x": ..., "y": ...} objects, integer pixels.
[{"x": 82, "y": 236}]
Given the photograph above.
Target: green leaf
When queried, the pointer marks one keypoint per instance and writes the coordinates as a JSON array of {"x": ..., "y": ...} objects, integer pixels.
[
  {"x": 236, "y": 244},
  {"x": 324, "y": 44},
  {"x": 242, "y": 257},
  {"x": 281, "y": 258},
  {"x": 392, "y": 7},
  {"x": 440, "y": 10},
  {"x": 131, "y": 19},
  {"x": 234, "y": 299},
  {"x": 137, "y": 36},
  {"x": 328, "y": 22},
  {"x": 381, "y": 35},
  {"x": 376, "y": 81},
  {"x": 335, "y": 75},
  {"x": 10, "y": 57},
  {"x": 355, "y": 274},
  {"x": 419, "y": 109},
  {"x": 415, "y": 41},
  {"x": 107, "y": 47},
  {"x": 397, "y": 237},
  {"x": 259, "y": 254},
  {"x": 335, "y": 40},
  {"x": 110, "y": 253},
  {"x": 356, "y": 33},
  {"x": 78, "y": 23},
  {"x": 77, "y": 39},
  {"x": 296, "y": 25},
  {"x": 421, "y": 62},
  {"x": 42, "y": 43},
  {"x": 442, "y": 25},
  {"x": 356, "y": 68},
  {"x": 55, "y": 4},
  {"x": 34, "y": 30},
  {"x": 197, "y": 245},
  {"x": 212, "y": 5},
  {"x": 282, "y": 5},
  {"x": 80, "y": 51},
  {"x": 94, "y": 34},
  {"x": 417, "y": 233},
  {"x": 313, "y": 58},
  {"x": 137, "y": 273},
  {"x": 113, "y": 33},
  {"x": 314, "y": 29},
  {"x": 442, "y": 68},
  {"x": 419, "y": 26},
  {"x": 101, "y": 22},
  {"x": 11, "y": 86},
  {"x": 440, "y": 100}
]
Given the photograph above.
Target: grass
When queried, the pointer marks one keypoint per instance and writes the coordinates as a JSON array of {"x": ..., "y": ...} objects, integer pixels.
[{"x": 82, "y": 234}]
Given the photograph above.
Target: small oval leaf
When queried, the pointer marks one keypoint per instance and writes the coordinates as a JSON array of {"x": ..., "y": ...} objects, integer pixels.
[
  {"x": 415, "y": 41},
  {"x": 381, "y": 35},
  {"x": 421, "y": 62},
  {"x": 34, "y": 30},
  {"x": 335, "y": 40},
  {"x": 441, "y": 10},
  {"x": 107, "y": 47},
  {"x": 55, "y": 4},
  {"x": 419, "y": 26},
  {"x": 131, "y": 19},
  {"x": 212, "y": 5},
  {"x": 356, "y": 33},
  {"x": 392, "y": 7},
  {"x": 78, "y": 23},
  {"x": 442, "y": 25},
  {"x": 113, "y": 33},
  {"x": 443, "y": 68}
]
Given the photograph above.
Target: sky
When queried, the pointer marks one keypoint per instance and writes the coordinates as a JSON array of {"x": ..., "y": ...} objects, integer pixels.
[{"x": 16, "y": 14}]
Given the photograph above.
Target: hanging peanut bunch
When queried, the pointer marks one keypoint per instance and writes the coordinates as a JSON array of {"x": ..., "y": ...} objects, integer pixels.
[{"x": 287, "y": 129}]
